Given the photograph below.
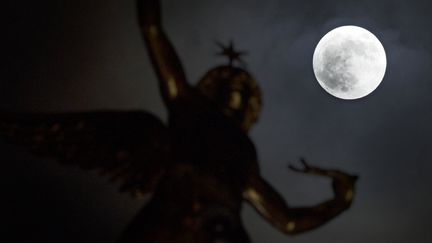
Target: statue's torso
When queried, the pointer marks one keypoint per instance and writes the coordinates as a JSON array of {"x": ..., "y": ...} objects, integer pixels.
[
  {"x": 200, "y": 195},
  {"x": 211, "y": 143}
]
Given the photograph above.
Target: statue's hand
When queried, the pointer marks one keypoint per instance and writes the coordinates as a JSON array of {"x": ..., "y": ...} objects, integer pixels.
[{"x": 343, "y": 183}]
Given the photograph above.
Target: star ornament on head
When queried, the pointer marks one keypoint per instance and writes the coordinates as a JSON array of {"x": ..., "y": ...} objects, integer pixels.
[{"x": 230, "y": 52}]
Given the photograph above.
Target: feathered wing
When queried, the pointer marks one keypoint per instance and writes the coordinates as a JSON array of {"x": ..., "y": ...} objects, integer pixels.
[{"x": 131, "y": 146}]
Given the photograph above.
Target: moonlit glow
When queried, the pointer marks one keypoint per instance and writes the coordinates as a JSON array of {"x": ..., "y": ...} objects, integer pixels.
[{"x": 349, "y": 62}]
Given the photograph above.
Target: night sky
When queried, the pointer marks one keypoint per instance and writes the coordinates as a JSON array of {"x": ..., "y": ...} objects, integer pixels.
[{"x": 77, "y": 55}]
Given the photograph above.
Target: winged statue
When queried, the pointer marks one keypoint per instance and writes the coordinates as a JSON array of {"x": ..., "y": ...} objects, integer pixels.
[{"x": 199, "y": 167}]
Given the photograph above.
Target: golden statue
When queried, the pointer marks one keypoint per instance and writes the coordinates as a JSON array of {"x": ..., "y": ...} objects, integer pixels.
[{"x": 199, "y": 167}]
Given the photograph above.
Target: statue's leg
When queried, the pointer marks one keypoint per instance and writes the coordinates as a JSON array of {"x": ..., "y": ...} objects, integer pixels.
[{"x": 172, "y": 80}]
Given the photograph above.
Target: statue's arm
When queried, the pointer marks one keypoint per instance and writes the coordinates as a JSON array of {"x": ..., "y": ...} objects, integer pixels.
[
  {"x": 294, "y": 220},
  {"x": 172, "y": 80}
]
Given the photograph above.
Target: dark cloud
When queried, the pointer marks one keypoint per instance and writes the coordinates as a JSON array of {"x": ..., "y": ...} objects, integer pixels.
[{"x": 75, "y": 55}]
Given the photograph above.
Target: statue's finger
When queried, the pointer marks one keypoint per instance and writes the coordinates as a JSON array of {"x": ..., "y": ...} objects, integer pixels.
[
  {"x": 303, "y": 161},
  {"x": 293, "y": 168}
]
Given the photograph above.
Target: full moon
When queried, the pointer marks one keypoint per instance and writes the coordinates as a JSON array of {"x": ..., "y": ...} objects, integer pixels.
[{"x": 349, "y": 62}]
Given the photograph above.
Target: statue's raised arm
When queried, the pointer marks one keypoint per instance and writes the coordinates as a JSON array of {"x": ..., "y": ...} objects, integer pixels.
[{"x": 172, "y": 80}]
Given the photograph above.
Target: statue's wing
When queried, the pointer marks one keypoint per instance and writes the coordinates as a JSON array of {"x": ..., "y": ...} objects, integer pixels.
[{"x": 131, "y": 146}]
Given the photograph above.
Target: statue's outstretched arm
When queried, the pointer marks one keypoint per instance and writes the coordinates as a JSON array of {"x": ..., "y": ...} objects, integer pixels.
[
  {"x": 296, "y": 220},
  {"x": 172, "y": 80}
]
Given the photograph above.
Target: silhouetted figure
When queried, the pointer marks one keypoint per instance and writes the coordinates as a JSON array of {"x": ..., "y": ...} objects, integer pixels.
[{"x": 200, "y": 166}]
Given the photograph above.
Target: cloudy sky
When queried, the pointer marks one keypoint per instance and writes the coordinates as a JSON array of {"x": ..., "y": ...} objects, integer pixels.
[{"x": 78, "y": 55}]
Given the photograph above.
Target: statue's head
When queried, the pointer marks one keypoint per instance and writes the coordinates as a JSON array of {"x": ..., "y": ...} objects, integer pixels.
[
  {"x": 233, "y": 89},
  {"x": 235, "y": 92}
]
